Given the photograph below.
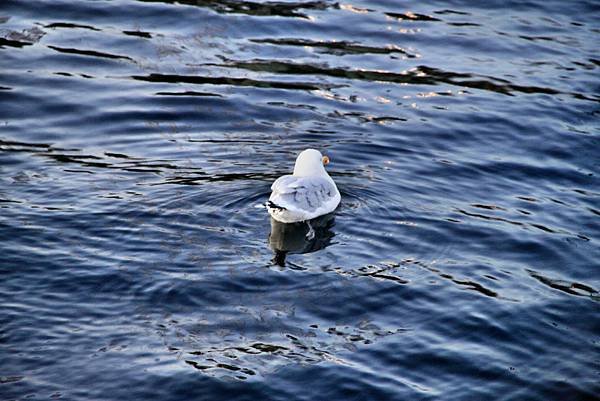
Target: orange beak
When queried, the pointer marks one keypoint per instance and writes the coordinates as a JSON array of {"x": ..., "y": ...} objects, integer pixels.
[{"x": 325, "y": 160}]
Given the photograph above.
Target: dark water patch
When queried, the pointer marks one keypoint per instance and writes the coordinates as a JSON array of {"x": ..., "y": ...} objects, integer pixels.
[
  {"x": 587, "y": 193},
  {"x": 13, "y": 43},
  {"x": 450, "y": 12},
  {"x": 365, "y": 118},
  {"x": 572, "y": 288},
  {"x": 306, "y": 346},
  {"x": 118, "y": 155},
  {"x": 25, "y": 37},
  {"x": 485, "y": 217},
  {"x": 487, "y": 207},
  {"x": 541, "y": 38},
  {"x": 18, "y": 144},
  {"x": 527, "y": 198},
  {"x": 255, "y": 9},
  {"x": 410, "y": 16},
  {"x": 464, "y": 284},
  {"x": 293, "y": 106},
  {"x": 189, "y": 93},
  {"x": 471, "y": 285},
  {"x": 70, "y": 157},
  {"x": 10, "y": 379},
  {"x": 385, "y": 119},
  {"x": 336, "y": 47},
  {"x": 584, "y": 65},
  {"x": 196, "y": 178},
  {"x": 380, "y": 275},
  {"x": 133, "y": 164},
  {"x": 139, "y": 34},
  {"x": 513, "y": 222},
  {"x": 385, "y": 271},
  {"x": 543, "y": 228},
  {"x": 90, "y": 53},
  {"x": 461, "y": 24},
  {"x": 228, "y": 141},
  {"x": 282, "y": 67},
  {"x": 421, "y": 75},
  {"x": 201, "y": 80},
  {"x": 71, "y": 26}
]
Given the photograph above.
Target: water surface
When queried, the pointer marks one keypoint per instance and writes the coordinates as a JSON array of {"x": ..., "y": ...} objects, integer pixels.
[{"x": 138, "y": 137}]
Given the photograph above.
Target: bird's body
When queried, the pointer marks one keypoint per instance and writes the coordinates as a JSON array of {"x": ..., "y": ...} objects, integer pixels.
[{"x": 306, "y": 194}]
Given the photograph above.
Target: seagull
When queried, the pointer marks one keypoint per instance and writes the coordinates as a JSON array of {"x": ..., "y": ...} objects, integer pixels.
[{"x": 306, "y": 194}]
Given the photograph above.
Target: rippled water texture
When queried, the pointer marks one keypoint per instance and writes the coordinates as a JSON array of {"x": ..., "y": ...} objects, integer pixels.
[{"x": 138, "y": 140}]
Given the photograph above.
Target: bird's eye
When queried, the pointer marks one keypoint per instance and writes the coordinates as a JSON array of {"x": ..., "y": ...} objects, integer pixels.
[{"x": 325, "y": 160}]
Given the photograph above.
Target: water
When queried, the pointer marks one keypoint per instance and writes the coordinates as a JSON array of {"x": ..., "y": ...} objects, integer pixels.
[{"x": 138, "y": 137}]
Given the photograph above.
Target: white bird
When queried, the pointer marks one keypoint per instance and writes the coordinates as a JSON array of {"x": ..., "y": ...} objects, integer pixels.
[{"x": 306, "y": 194}]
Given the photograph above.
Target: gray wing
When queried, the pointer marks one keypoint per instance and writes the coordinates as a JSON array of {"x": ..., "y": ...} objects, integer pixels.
[{"x": 302, "y": 193}]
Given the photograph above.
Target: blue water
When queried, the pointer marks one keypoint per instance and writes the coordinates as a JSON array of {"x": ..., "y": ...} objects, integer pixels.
[{"x": 138, "y": 140}]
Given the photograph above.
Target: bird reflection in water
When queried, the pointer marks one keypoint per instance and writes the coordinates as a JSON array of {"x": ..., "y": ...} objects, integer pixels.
[{"x": 301, "y": 237}]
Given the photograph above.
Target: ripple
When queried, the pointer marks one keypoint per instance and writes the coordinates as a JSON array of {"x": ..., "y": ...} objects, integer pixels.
[
  {"x": 110, "y": 160},
  {"x": 13, "y": 43},
  {"x": 421, "y": 75},
  {"x": 311, "y": 345},
  {"x": 410, "y": 16},
  {"x": 70, "y": 25},
  {"x": 572, "y": 288},
  {"x": 90, "y": 53},
  {"x": 264, "y": 9},
  {"x": 336, "y": 47},
  {"x": 10, "y": 379},
  {"x": 189, "y": 93},
  {"x": 26, "y": 37},
  {"x": 200, "y": 80},
  {"x": 139, "y": 34}
]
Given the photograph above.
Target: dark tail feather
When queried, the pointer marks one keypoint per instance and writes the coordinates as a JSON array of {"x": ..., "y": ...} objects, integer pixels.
[{"x": 275, "y": 206}]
